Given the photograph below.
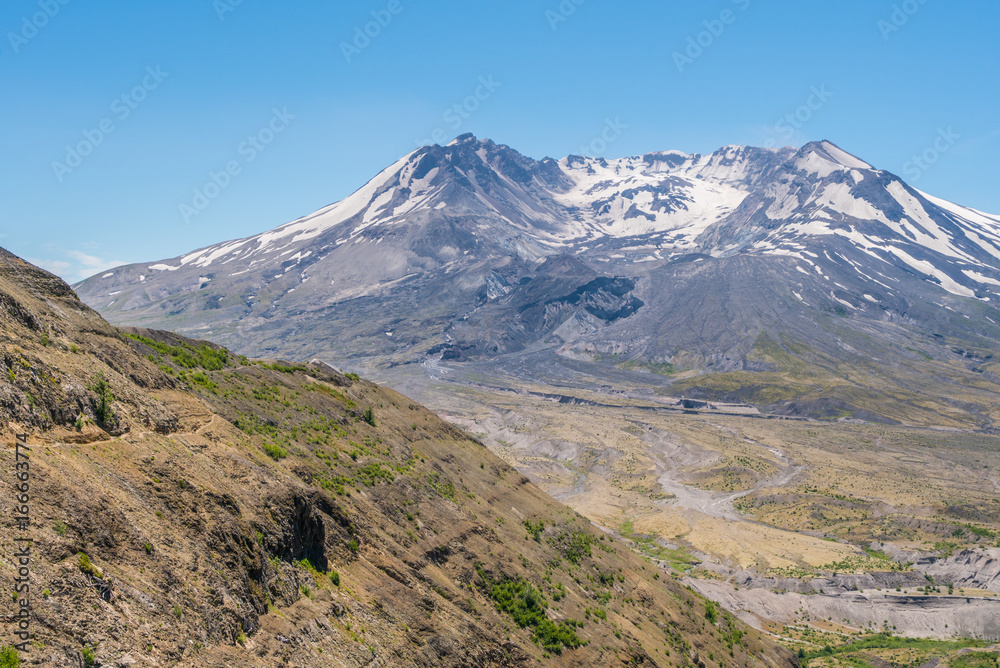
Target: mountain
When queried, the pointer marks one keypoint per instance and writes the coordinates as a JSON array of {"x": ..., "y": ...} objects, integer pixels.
[
  {"x": 191, "y": 507},
  {"x": 838, "y": 279}
]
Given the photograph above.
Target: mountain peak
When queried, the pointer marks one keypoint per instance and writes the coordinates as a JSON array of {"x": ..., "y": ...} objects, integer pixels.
[
  {"x": 467, "y": 138},
  {"x": 473, "y": 201},
  {"x": 826, "y": 157}
]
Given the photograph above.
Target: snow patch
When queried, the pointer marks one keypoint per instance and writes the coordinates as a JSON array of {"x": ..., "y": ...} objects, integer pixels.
[{"x": 979, "y": 278}]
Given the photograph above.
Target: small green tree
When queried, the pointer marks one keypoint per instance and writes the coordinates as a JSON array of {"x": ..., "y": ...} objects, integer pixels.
[
  {"x": 369, "y": 416},
  {"x": 105, "y": 401},
  {"x": 711, "y": 613}
]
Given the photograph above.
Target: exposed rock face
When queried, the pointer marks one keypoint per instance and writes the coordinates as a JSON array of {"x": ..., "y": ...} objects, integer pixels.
[
  {"x": 915, "y": 616},
  {"x": 971, "y": 569},
  {"x": 238, "y": 513}
]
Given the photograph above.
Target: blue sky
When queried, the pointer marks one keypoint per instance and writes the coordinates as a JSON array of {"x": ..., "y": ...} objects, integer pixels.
[{"x": 116, "y": 113}]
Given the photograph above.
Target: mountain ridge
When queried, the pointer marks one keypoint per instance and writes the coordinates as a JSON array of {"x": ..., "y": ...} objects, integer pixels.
[{"x": 438, "y": 254}]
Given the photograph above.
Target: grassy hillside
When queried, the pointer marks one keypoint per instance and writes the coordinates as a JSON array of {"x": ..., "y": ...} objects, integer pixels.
[{"x": 193, "y": 508}]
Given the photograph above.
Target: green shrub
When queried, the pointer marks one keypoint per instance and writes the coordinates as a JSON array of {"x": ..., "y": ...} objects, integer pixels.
[
  {"x": 574, "y": 545},
  {"x": 352, "y": 376},
  {"x": 251, "y": 424},
  {"x": 200, "y": 378},
  {"x": 89, "y": 568},
  {"x": 335, "y": 578},
  {"x": 535, "y": 529},
  {"x": 369, "y": 416},
  {"x": 371, "y": 473},
  {"x": 274, "y": 451},
  {"x": 9, "y": 658},
  {"x": 526, "y": 606},
  {"x": 711, "y": 613},
  {"x": 89, "y": 658}
]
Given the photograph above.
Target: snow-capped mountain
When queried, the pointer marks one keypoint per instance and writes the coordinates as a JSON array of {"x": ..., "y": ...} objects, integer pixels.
[{"x": 473, "y": 250}]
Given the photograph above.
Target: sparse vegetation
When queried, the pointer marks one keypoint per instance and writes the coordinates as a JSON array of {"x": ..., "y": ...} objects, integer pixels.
[
  {"x": 976, "y": 660},
  {"x": 189, "y": 357},
  {"x": 526, "y": 606},
  {"x": 274, "y": 451},
  {"x": 535, "y": 529},
  {"x": 888, "y": 641},
  {"x": 83, "y": 561}
]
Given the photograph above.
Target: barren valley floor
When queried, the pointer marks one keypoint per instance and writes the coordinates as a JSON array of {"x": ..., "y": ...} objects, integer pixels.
[{"x": 829, "y": 526}]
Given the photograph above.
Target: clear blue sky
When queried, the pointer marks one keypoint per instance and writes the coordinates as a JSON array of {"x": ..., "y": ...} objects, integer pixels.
[{"x": 223, "y": 66}]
